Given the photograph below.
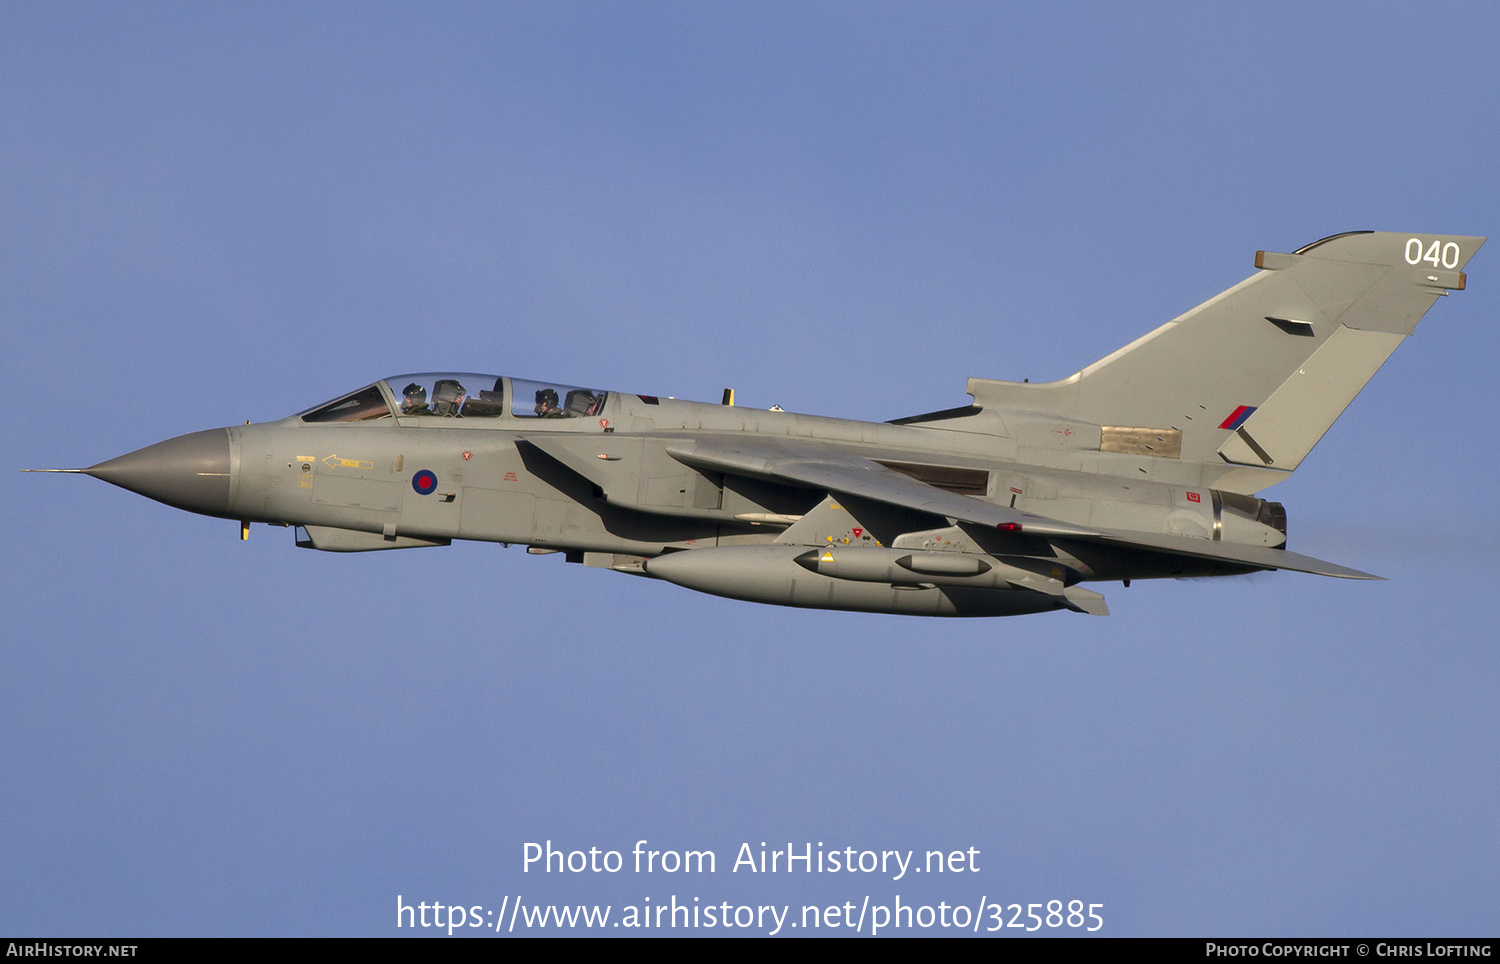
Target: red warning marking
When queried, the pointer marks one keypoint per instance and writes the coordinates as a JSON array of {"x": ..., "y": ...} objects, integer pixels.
[
  {"x": 1194, "y": 497},
  {"x": 604, "y": 423},
  {"x": 510, "y": 476},
  {"x": 857, "y": 532},
  {"x": 468, "y": 455}
]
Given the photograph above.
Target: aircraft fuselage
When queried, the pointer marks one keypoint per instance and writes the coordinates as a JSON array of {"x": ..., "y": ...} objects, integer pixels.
[{"x": 1142, "y": 465}]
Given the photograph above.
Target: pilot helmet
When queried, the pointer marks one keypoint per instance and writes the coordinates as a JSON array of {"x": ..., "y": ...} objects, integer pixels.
[{"x": 413, "y": 396}]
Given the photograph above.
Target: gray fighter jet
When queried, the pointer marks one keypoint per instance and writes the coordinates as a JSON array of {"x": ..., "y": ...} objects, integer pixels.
[{"x": 1144, "y": 464}]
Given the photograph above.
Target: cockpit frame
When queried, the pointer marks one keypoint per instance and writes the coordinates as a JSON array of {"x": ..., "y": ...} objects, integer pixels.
[{"x": 437, "y": 398}]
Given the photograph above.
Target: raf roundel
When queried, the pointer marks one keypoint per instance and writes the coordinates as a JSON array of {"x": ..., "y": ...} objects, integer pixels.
[{"x": 424, "y": 482}]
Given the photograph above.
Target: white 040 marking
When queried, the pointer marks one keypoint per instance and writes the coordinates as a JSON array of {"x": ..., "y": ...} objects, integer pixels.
[{"x": 1446, "y": 255}]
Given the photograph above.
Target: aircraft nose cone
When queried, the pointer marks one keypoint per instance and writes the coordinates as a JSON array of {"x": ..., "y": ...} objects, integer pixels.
[{"x": 189, "y": 472}]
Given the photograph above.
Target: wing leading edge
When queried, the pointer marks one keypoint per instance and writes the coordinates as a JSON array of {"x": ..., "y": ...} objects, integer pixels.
[{"x": 822, "y": 467}]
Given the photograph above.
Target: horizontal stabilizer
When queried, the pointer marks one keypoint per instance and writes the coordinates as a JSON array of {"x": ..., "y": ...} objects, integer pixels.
[{"x": 1262, "y": 557}]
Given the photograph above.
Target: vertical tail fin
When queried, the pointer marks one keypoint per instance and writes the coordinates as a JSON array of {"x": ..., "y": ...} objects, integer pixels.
[{"x": 1256, "y": 375}]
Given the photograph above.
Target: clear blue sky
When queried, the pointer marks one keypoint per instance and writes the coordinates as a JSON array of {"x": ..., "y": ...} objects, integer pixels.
[{"x": 213, "y": 213}]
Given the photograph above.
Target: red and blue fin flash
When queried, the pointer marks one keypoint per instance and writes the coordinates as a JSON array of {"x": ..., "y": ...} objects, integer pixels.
[{"x": 1237, "y": 417}]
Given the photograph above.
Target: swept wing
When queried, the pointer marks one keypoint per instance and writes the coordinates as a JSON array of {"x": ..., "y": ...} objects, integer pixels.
[{"x": 819, "y": 466}]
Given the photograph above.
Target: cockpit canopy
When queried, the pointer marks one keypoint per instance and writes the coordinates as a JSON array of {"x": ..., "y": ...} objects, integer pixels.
[{"x": 467, "y": 395}]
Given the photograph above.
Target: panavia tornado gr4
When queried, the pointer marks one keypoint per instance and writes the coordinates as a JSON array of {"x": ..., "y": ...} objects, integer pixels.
[{"x": 1144, "y": 464}]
